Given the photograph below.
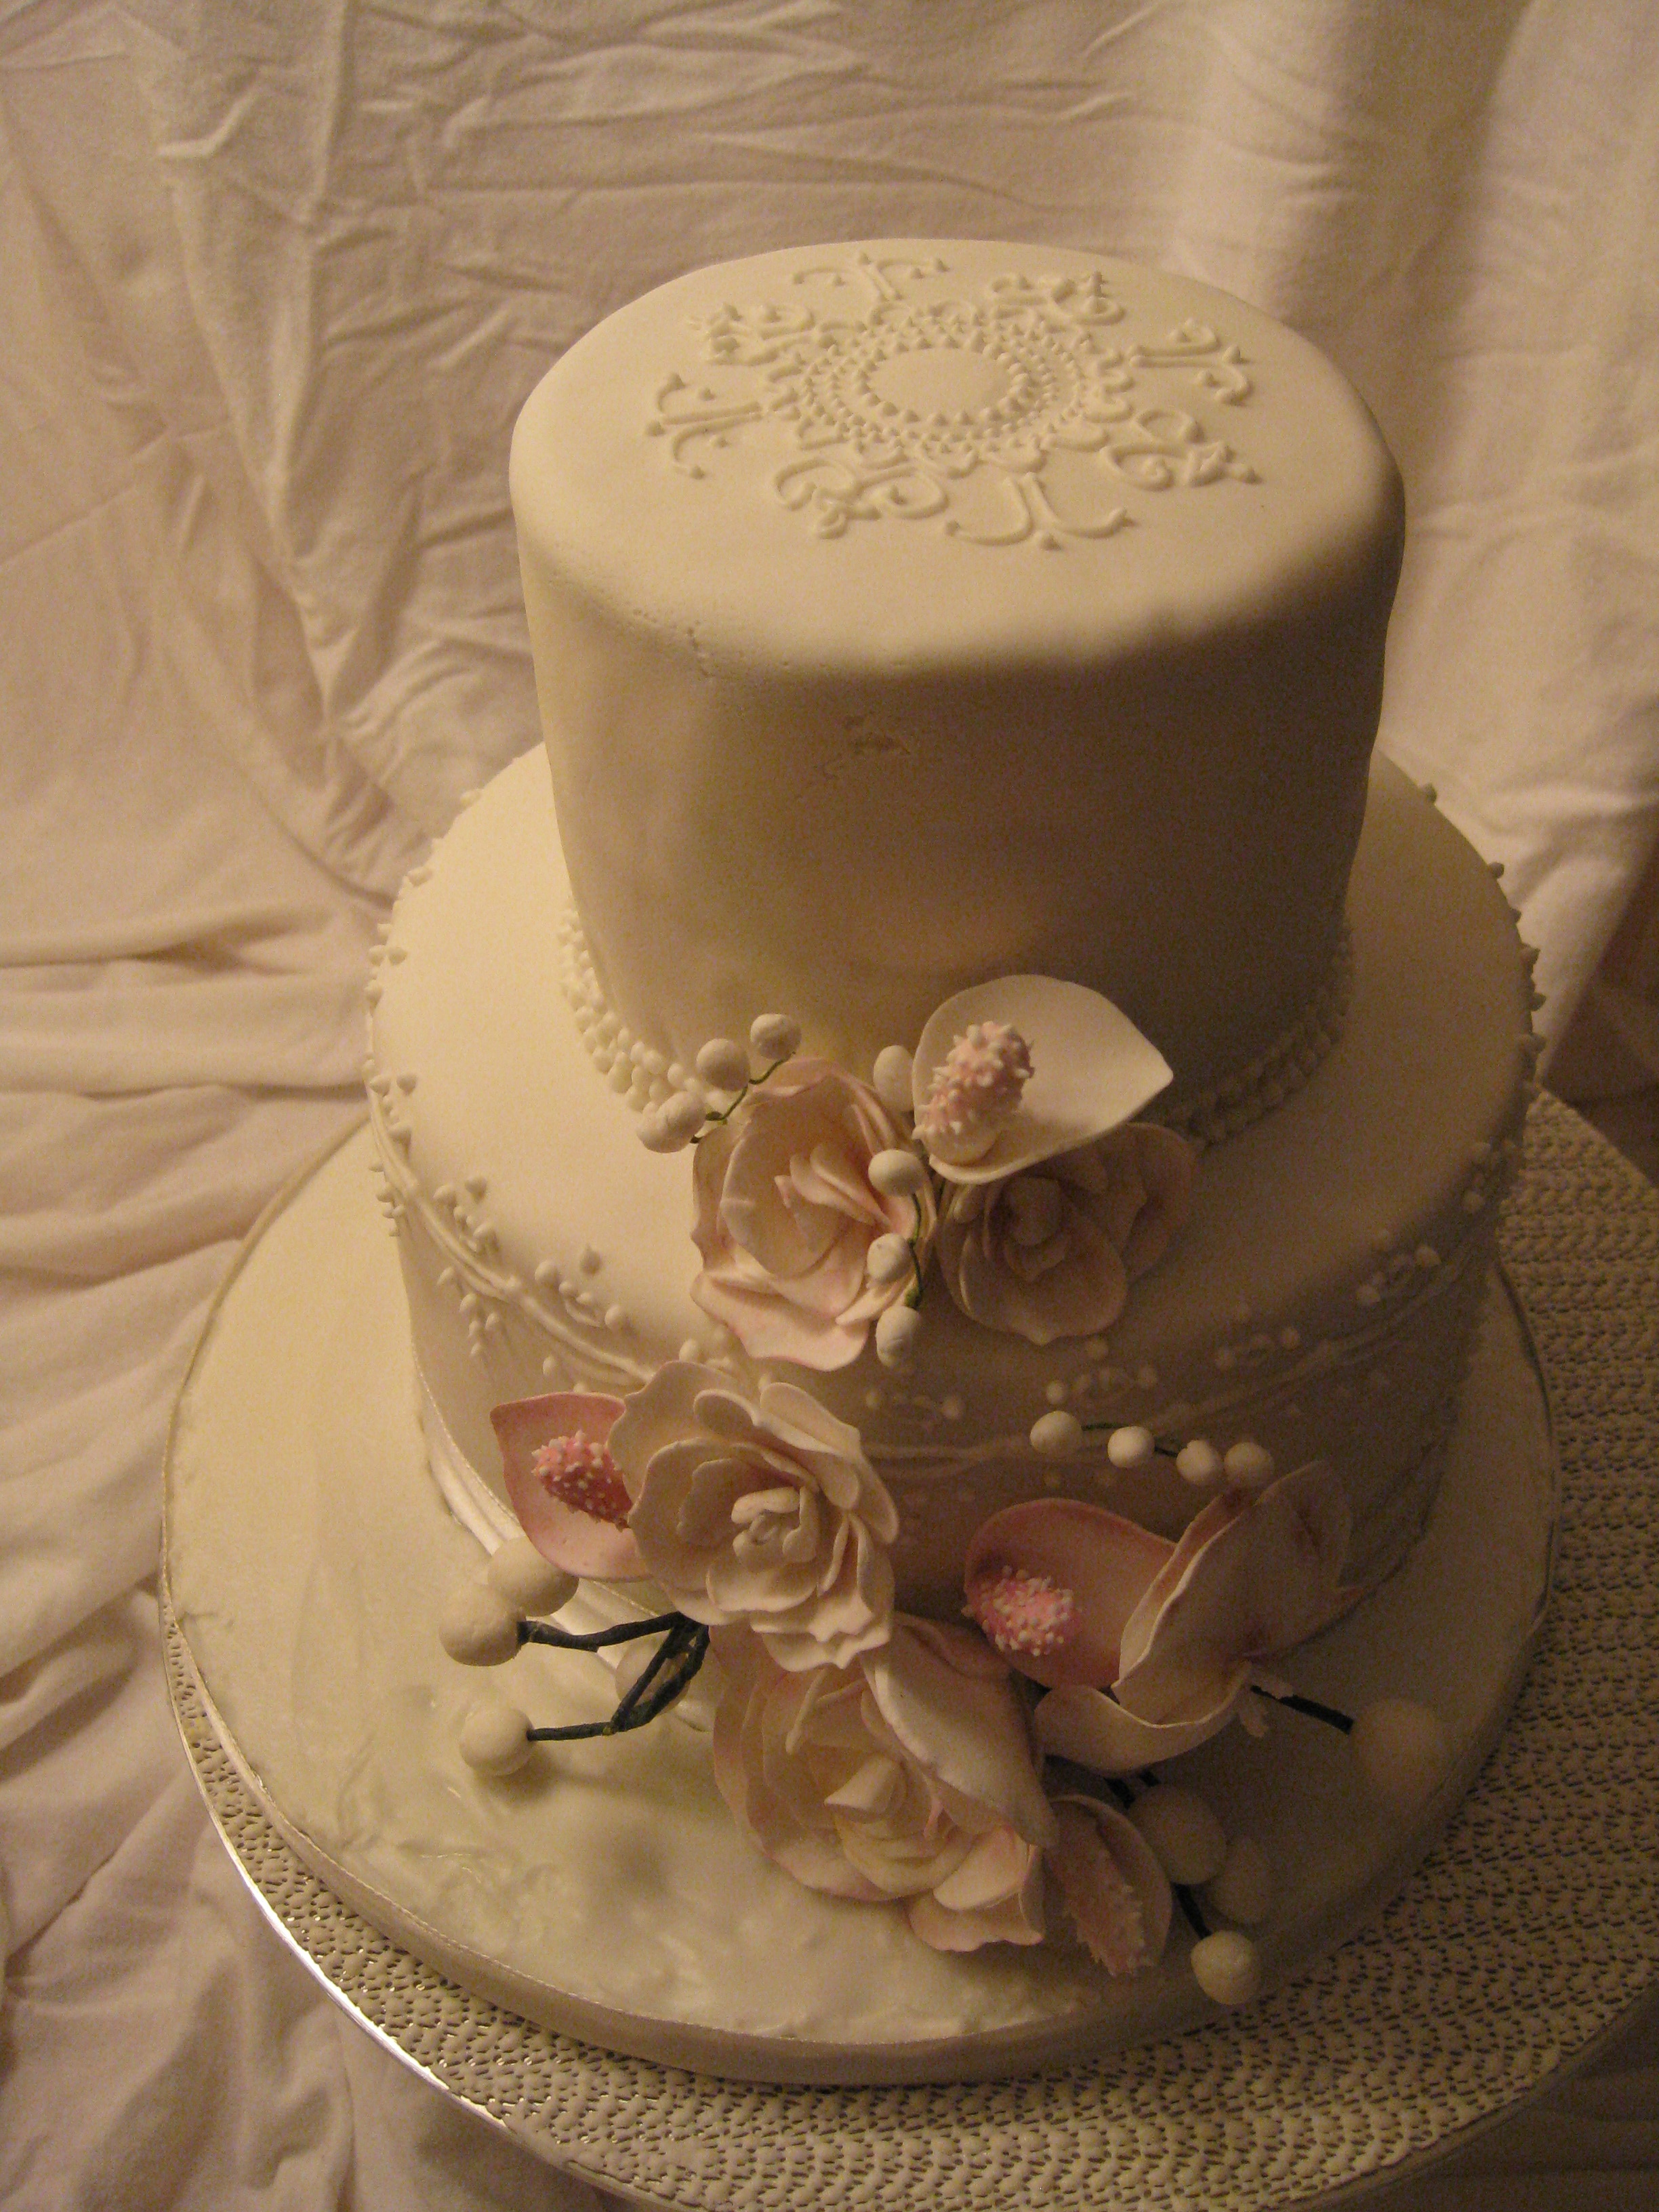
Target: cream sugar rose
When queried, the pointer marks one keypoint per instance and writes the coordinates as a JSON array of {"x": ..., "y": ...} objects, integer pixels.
[{"x": 975, "y": 651}]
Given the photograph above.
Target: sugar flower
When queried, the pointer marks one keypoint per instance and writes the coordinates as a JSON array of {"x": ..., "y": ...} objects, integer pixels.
[
  {"x": 787, "y": 1213},
  {"x": 1147, "y": 1648},
  {"x": 974, "y": 1092},
  {"x": 563, "y": 1484},
  {"x": 905, "y": 1777},
  {"x": 1043, "y": 1065},
  {"x": 1051, "y": 1251},
  {"x": 1115, "y": 1894},
  {"x": 759, "y": 1509}
]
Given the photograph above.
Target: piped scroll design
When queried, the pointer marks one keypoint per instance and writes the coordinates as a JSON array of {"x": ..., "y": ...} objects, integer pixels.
[{"x": 956, "y": 411}]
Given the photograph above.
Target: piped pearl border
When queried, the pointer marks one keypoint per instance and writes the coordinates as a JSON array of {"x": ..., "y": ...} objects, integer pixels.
[
  {"x": 638, "y": 1073},
  {"x": 1274, "y": 1075},
  {"x": 642, "y": 1076}
]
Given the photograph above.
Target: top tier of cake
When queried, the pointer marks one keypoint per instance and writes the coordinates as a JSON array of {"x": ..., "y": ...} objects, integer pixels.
[{"x": 913, "y": 612}]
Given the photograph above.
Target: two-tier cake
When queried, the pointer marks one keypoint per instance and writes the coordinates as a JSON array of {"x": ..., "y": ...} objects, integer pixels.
[{"x": 945, "y": 1132}]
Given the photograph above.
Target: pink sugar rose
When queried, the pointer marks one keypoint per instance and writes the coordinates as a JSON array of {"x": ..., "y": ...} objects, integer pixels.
[
  {"x": 786, "y": 1215},
  {"x": 905, "y": 1777},
  {"x": 1051, "y": 1251},
  {"x": 563, "y": 1484},
  {"x": 761, "y": 1509},
  {"x": 1148, "y": 1647}
]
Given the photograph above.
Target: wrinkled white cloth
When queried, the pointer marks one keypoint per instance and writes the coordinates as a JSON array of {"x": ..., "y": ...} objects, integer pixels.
[{"x": 273, "y": 284}]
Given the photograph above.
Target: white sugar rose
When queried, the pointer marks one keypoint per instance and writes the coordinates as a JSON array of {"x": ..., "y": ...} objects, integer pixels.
[
  {"x": 1051, "y": 1252},
  {"x": 786, "y": 1215},
  {"x": 761, "y": 1509},
  {"x": 905, "y": 1777}
]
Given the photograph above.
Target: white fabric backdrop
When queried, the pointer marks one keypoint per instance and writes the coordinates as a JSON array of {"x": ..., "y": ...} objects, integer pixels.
[{"x": 272, "y": 285}]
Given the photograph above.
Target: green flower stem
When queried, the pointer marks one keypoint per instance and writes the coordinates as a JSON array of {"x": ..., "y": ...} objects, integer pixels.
[
  {"x": 716, "y": 1120},
  {"x": 913, "y": 1296},
  {"x": 1332, "y": 1715},
  {"x": 670, "y": 1672},
  {"x": 543, "y": 1631}
]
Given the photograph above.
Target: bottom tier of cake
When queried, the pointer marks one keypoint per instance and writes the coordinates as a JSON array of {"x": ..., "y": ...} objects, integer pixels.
[
  {"x": 1318, "y": 1301},
  {"x": 603, "y": 1890}
]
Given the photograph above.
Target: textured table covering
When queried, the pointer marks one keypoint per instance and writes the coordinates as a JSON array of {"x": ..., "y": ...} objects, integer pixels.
[{"x": 1523, "y": 1940}]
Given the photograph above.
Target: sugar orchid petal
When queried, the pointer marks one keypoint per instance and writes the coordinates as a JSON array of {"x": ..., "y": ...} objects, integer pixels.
[
  {"x": 1205, "y": 1529},
  {"x": 1249, "y": 1579},
  {"x": 579, "y": 1542},
  {"x": 1091, "y": 1069},
  {"x": 949, "y": 1702},
  {"x": 1091, "y": 1727},
  {"x": 1102, "y": 1561}
]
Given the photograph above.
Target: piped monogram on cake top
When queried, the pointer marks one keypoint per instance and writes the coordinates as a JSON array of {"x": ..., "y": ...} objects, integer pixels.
[
  {"x": 1015, "y": 414},
  {"x": 979, "y": 1774}
]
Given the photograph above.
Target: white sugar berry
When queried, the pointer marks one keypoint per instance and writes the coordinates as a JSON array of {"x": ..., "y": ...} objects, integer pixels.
[
  {"x": 897, "y": 1173},
  {"x": 653, "y": 1132},
  {"x": 683, "y": 1115},
  {"x": 1248, "y": 1465},
  {"x": 495, "y": 1737},
  {"x": 1199, "y": 1463},
  {"x": 1227, "y": 1967},
  {"x": 1404, "y": 1754},
  {"x": 528, "y": 1581},
  {"x": 1186, "y": 1840},
  {"x": 891, "y": 1076},
  {"x": 888, "y": 1260},
  {"x": 897, "y": 1331},
  {"x": 774, "y": 1036},
  {"x": 478, "y": 1624},
  {"x": 1058, "y": 1435},
  {"x": 1128, "y": 1447},
  {"x": 723, "y": 1064},
  {"x": 1243, "y": 1889}
]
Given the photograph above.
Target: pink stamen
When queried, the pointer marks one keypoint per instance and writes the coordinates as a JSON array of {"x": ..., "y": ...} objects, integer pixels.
[
  {"x": 1022, "y": 1614},
  {"x": 581, "y": 1474},
  {"x": 1116, "y": 1929},
  {"x": 981, "y": 1076}
]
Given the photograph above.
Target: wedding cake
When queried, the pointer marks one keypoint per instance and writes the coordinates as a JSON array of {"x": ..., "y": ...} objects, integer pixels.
[{"x": 945, "y": 1132}]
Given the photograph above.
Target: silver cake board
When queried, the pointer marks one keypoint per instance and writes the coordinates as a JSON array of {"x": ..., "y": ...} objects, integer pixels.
[{"x": 1516, "y": 1944}]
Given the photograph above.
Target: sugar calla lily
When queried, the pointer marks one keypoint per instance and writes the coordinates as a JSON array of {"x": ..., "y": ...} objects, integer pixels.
[
  {"x": 1091, "y": 1069},
  {"x": 563, "y": 1485},
  {"x": 1147, "y": 1648},
  {"x": 1115, "y": 1894}
]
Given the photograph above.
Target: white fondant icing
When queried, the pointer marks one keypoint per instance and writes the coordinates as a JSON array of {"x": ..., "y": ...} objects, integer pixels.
[
  {"x": 1370, "y": 1162},
  {"x": 772, "y": 744}
]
